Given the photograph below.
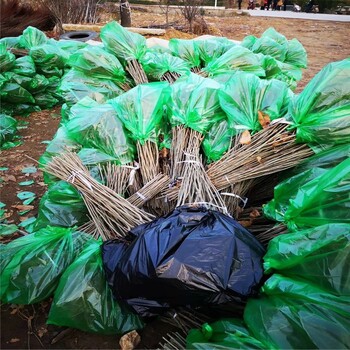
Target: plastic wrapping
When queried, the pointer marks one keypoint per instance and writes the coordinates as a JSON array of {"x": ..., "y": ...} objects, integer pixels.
[
  {"x": 269, "y": 46},
  {"x": 76, "y": 85},
  {"x": 32, "y": 37},
  {"x": 210, "y": 49},
  {"x": 190, "y": 257},
  {"x": 122, "y": 43},
  {"x": 32, "y": 265},
  {"x": 237, "y": 58},
  {"x": 7, "y": 59},
  {"x": 59, "y": 143},
  {"x": 217, "y": 141},
  {"x": 24, "y": 66},
  {"x": 157, "y": 64},
  {"x": 195, "y": 103},
  {"x": 84, "y": 301},
  {"x": 101, "y": 129},
  {"x": 223, "y": 334},
  {"x": 61, "y": 205},
  {"x": 8, "y": 128},
  {"x": 320, "y": 113},
  {"x": 49, "y": 59},
  {"x": 312, "y": 198},
  {"x": 141, "y": 110},
  {"x": 14, "y": 93},
  {"x": 318, "y": 256},
  {"x": 296, "y": 54},
  {"x": 244, "y": 95},
  {"x": 97, "y": 62},
  {"x": 292, "y": 314},
  {"x": 186, "y": 50}
]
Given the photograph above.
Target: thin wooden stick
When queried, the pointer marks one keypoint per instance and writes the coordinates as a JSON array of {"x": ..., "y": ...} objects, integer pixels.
[
  {"x": 114, "y": 216},
  {"x": 137, "y": 72},
  {"x": 271, "y": 150}
]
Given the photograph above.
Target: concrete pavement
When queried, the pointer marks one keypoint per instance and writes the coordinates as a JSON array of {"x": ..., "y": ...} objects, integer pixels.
[{"x": 299, "y": 15}]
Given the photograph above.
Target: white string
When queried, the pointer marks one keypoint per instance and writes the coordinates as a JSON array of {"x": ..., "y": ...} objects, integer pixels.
[
  {"x": 280, "y": 120},
  {"x": 245, "y": 200},
  {"x": 132, "y": 173},
  {"x": 224, "y": 209},
  {"x": 79, "y": 174},
  {"x": 141, "y": 195}
]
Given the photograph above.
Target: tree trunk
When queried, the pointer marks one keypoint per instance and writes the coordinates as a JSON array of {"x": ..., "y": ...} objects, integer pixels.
[{"x": 125, "y": 13}]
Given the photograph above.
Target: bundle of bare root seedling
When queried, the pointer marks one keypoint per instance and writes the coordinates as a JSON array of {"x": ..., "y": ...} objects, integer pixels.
[{"x": 112, "y": 214}]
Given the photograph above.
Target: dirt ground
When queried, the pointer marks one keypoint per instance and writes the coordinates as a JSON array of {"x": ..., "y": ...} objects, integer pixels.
[{"x": 24, "y": 327}]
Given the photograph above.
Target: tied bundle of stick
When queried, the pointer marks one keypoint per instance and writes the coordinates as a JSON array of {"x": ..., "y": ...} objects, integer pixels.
[
  {"x": 265, "y": 146},
  {"x": 135, "y": 69},
  {"x": 234, "y": 197},
  {"x": 173, "y": 341},
  {"x": 170, "y": 77},
  {"x": 141, "y": 112},
  {"x": 196, "y": 188},
  {"x": 195, "y": 108},
  {"x": 139, "y": 198},
  {"x": 113, "y": 215},
  {"x": 128, "y": 47},
  {"x": 150, "y": 190},
  {"x": 117, "y": 177},
  {"x": 269, "y": 151}
]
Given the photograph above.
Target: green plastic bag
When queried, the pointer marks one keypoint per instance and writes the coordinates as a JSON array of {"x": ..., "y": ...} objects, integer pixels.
[
  {"x": 223, "y": 334},
  {"x": 237, "y": 58},
  {"x": 318, "y": 256},
  {"x": 157, "y": 64},
  {"x": 249, "y": 41},
  {"x": 195, "y": 103},
  {"x": 296, "y": 54},
  {"x": 11, "y": 42},
  {"x": 14, "y": 93},
  {"x": 7, "y": 59},
  {"x": 8, "y": 128},
  {"x": 122, "y": 43},
  {"x": 245, "y": 95},
  {"x": 321, "y": 112},
  {"x": 76, "y": 85},
  {"x": 83, "y": 299},
  {"x": 92, "y": 156},
  {"x": 322, "y": 159},
  {"x": 33, "y": 84},
  {"x": 70, "y": 46},
  {"x": 292, "y": 314},
  {"x": 271, "y": 67},
  {"x": 141, "y": 110},
  {"x": 24, "y": 66},
  {"x": 217, "y": 141},
  {"x": 210, "y": 49},
  {"x": 32, "y": 37},
  {"x": 49, "y": 59},
  {"x": 32, "y": 265},
  {"x": 60, "y": 143},
  {"x": 186, "y": 50},
  {"x": 315, "y": 197},
  {"x": 269, "y": 46},
  {"x": 97, "y": 62},
  {"x": 45, "y": 100},
  {"x": 62, "y": 206},
  {"x": 18, "y": 109},
  {"x": 101, "y": 129}
]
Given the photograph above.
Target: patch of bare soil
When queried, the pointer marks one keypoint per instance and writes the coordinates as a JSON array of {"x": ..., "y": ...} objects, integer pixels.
[{"x": 24, "y": 327}]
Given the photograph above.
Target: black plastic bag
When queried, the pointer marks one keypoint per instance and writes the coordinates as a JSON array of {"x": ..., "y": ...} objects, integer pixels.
[{"x": 191, "y": 257}]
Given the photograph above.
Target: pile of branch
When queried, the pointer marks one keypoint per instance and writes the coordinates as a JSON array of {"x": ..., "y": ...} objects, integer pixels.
[{"x": 16, "y": 16}]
